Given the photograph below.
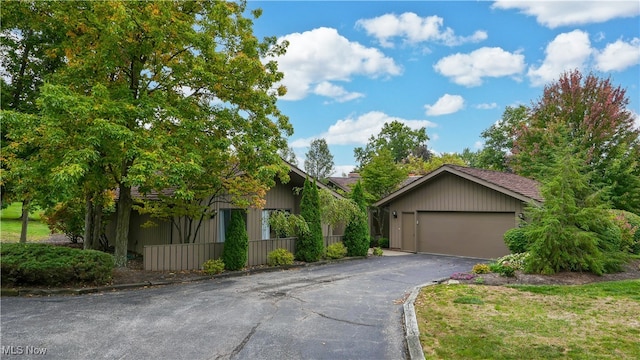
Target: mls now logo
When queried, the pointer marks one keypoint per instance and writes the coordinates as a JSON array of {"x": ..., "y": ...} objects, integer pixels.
[{"x": 23, "y": 350}]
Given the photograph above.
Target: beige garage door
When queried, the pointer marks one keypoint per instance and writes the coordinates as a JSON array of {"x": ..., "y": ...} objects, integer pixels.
[{"x": 473, "y": 234}]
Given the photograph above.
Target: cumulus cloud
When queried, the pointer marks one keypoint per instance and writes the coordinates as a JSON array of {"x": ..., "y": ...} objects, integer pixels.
[
  {"x": 553, "y": 14},
  {"x": 469, "y": 69},
  {"x": 487, "y": 106},
  {"x": 619, "y": 55},
  {"x": 338, "y": 93},
  {"x": 414, "y": 29},
  {"x": 339, "y": 170},
  {"x": 317, "y": 57},
  {"x": 566, "y": 52},
  {"x": 447, "y": 104},
  {"x": 356, "y": 131}
]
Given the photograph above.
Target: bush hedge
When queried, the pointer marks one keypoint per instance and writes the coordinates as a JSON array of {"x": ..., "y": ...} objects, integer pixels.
[
  {"x": 516, "y": 240},
  {"x": 336, "y": 251},
  {"x": 279, "y": 257},
  {"x": 50, "y": 265}
]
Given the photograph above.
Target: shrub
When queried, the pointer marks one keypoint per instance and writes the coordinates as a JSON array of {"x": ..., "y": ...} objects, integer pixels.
[
  {"x": 356, "y": 234},
  {"x": 310, "y": 245},
  {"x": 377, "y": 251},
  {"x": 50, "y": 265},
  {"x": 462, "y": 276},
  {"x": 507, "y": 265},
  {"x": 213, "y": 267},
  {"x": 279, "y": 257},
  {"x": 516, "y": 240},
  {"x": 236, "y": 245},
  {"x": 480, "y": 269},
  {"x": 67, "y": 218},
  {"x": 383, "y": 243},
  {"x": 629, "y": 225},
  {"x": 336, "y": 251}
]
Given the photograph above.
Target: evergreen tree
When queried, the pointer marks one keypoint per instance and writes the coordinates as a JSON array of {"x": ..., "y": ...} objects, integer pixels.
[
  {"x": 356, "y": 234},
  {"x": 319, "y": 162},
  {"x": 569, "y": 230},
  {"x": 236, "y": 244},
  {"x": 310, "y": 245}
]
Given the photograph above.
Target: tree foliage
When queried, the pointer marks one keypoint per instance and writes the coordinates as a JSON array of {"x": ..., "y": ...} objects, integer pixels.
[
  {"x": 319, "y": 160},
  {"x": 236, "y": 244},
  {"x": 499, "y": 140},
  {"x": 596, "y": 123},
  {"x": 310, "y": 245},
  {"x": 161, "y": 95},
  {"x": 399, "y": 139},
  {"x": 417, "y": 166},
  {"x": 356, "y": 234},
  {"x": 381, "y": 175}
]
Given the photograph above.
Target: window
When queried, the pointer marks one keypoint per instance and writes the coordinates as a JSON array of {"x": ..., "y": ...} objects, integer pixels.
[
  {"x": 224, "y": 217},
  {"x": 267, "y": 231}
]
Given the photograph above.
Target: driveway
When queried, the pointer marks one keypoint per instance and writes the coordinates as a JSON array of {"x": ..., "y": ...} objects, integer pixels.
[{"x": 348, "y": 310}]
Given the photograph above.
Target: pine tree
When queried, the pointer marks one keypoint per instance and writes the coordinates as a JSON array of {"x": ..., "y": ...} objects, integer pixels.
[
  {"x": 310, "y": 245},
  {"x": 236, "y": 245},
  {"x": 356, "y": 234}
]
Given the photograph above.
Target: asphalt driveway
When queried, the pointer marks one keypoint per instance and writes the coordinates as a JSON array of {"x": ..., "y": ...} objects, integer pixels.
[{"x": 349, "y": 310}]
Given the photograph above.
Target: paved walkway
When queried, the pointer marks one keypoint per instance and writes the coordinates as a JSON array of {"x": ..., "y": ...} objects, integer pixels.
[{"x": 348, "y": 310}]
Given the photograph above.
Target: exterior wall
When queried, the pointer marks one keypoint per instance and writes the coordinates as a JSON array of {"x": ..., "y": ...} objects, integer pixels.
[{"x": 448, "y": 192}]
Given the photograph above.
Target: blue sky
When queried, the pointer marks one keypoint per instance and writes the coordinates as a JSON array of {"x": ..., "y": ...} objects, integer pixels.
[{"x": 451, "y": 66}]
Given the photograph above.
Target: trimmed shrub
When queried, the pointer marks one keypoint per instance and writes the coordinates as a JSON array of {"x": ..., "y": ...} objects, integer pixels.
[
  {"x": 336, "y": 251},
  {"x": 236, "y": 244},
  {"x": 480, "y": 269},
  {"x": 310, "y": 245},
  {"x": 213, "y": 267},
  {"x": 377, "y": 251},
  {"x": 356, "y": 234},
  {"x": 516, "y": 240},
  {"x": 279, "y": 257},
  {"x": 50, "y": 265},
  {"x": 383, "y": 243}
]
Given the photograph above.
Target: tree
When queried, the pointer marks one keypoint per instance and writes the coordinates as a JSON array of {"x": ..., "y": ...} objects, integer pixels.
[
  {"x": 163, "y": 95},
  {"x": 399, "y": 139},
  {"x": 380, "y": 177},
  {"x": 418, "y": 166},
  {"x": 236, "y": 244},
  {"x": 356, "y": 234},
  {"x": 288, "y": 155},
  {"x": 333, "y": 210},
  {"x": 598, "y": 124},
  {"x": 319, "y": 161},
  {"x": 310, "y": 245},
  {"x": 499, "y": 138},
  {"x": 568, "y": 228}
]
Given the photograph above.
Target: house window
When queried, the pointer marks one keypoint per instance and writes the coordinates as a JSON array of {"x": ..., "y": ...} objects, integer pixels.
[
  {"x": 267, "y": 231},
  {"x": 224, "y": 217}
]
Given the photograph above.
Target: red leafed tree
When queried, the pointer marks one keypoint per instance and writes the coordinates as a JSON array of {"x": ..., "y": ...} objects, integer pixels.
[{"x": 599, "y": 128}]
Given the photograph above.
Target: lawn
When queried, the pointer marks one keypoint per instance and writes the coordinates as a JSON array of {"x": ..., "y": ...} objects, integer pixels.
[
  {"x": 594, "y": 321},
  {"x": 11, "y": 225}
]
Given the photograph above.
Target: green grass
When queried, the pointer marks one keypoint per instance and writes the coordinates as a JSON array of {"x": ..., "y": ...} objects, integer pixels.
[
  {"x": 11, "y": 225},
  {"x": 595, "y": 321}
]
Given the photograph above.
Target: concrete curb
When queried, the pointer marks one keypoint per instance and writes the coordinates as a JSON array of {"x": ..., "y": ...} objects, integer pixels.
[
  {"x": 97, "y": 289},
  {"x": 412, "y": 333}
]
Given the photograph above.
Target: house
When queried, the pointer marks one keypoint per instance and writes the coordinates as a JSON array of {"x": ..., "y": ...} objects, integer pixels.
[
  {"x": 160, "y": 245},
  {"x": 457, "y": 210}
]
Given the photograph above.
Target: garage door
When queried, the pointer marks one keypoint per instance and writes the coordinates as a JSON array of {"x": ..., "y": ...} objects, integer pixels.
[{"x": 473, "y": 234}]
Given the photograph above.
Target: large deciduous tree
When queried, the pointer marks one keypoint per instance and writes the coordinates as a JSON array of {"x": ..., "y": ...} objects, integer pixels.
[
  {"x": 163, "y": 95},
  {"x": 399, "y": 139},
  {"x": 319, "y": 160},
  {"x": 593, "y": 114},
  {"x": 499, "y": 138}
]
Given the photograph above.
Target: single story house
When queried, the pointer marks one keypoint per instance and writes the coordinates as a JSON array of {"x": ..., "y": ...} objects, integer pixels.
[
  {"x": 161, "y": 249},
  {"x": 457, "y": 210}
]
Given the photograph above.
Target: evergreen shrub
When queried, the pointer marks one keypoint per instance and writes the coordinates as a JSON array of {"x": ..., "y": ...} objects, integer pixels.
[{"x": 236, "y": 245}]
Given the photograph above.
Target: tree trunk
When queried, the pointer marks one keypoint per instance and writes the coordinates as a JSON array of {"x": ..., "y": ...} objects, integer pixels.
[
  {"x": 25, "y": 220},
  {"x": 97, "y": 226},
  {"x": 88, "y": 224},
  {"x": 122, "y": 225}
]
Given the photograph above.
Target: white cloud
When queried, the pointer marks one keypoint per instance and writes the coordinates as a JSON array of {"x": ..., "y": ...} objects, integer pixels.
[
  {"x": 323, "y": 55},
  {"x": 478, "y": 145},
  {"x": 619, "y": 55},
  {"x": 566, "y": 52},
  {"x": 469, "y": 69},
  {"x": 579, "y": 12},
  {"x": 414, "y": 29},
  {"x": 487, "y": 106},
  {"x": 357, "y": 131},
  {"x": 636, "y": 116},
  {"x": 342, "y": 169},
  {"x": 447, "y": 104},
  {"x": 338, "y": 93}
]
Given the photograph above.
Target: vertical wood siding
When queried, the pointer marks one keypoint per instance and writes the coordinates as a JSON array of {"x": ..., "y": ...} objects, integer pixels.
[{"x": 449, "y": 192}]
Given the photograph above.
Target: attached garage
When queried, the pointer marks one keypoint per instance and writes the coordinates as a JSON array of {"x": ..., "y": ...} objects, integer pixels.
[{"x": 460, "y": 211}]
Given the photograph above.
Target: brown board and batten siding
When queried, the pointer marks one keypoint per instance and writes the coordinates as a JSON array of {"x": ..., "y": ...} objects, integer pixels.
[{"x": 458, "y": 211}]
